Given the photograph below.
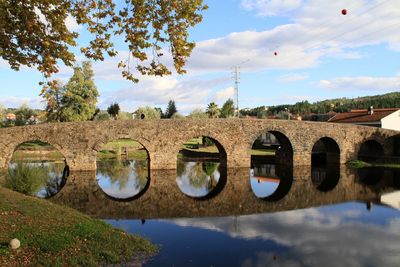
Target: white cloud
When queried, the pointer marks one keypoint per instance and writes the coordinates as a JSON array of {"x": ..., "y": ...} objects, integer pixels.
[
  {"x": 15, "y": 102},
  {"x": 361, "y": 84},
  {"x": 4, "y": 64},
  {"x": 157, "y": 91},
  {"x": 268, "y": 8},
  {"x": 293, "y": 77},
  {"x": 310, "y": 237},
  {"x": 223, "y": 95},
  {"x": 318, "y": 30}
]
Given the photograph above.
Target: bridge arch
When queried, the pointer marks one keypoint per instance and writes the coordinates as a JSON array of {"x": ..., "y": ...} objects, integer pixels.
[
  {"x": 200, "y": 169},
  {"x": 12, "y": 147},
  {"x": 223, "y": 155},
  {"x": 393, "y": 144},
  {"x": 325, "y": 150},
  {"x": 122, "y": 168},
  {"x": 371, "y": 150},
  {"x": 99, "y": 143},
  {"x": 104, "y": 141},
  {"x": 280, "y": 142},
  {"x": 45, "y": 164}
]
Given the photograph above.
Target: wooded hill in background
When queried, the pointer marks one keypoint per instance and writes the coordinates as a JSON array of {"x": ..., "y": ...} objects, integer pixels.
[{"x": 390, "y": 100}]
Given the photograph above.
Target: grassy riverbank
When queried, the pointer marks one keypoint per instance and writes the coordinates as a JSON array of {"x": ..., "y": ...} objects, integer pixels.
[
  {"x": 195, "y": 145},
  {"x": 358, "y": 164},
  {"x": 52, "y": 235}
]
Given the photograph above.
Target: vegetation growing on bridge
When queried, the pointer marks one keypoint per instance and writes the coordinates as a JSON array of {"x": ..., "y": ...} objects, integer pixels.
[{"x": 52, "y": 235}]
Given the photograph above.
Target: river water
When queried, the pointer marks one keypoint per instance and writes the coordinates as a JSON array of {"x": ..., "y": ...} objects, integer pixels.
[{"x": 204, "y": 214}]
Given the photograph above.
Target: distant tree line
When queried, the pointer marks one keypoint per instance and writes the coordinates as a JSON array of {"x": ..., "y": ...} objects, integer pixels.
[
  {"x": 23, "y": 116},
  {"x": 390, "y": 100},
  {"x": 76, "y": 101}
]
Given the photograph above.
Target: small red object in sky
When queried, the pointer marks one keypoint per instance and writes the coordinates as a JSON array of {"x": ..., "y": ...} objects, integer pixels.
[
  {"x": 275, "y": 53},
  {"x": 344, "y": 11}
]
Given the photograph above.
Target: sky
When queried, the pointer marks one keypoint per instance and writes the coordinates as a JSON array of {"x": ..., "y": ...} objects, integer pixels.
[{"x": 320, "y": 54}]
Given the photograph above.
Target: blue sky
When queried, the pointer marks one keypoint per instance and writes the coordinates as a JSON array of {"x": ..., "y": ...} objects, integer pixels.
[{"x": 320, "y": 54}]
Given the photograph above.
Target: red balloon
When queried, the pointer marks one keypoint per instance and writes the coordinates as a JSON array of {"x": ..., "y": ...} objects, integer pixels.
[{"x": 344, "y": 11}]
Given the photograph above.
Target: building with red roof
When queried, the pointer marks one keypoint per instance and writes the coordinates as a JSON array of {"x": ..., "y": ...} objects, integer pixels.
[{"x": 387, "y": 118}]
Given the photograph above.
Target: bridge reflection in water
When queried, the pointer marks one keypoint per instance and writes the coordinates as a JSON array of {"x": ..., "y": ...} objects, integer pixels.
[{"x": 162, "y": 198}]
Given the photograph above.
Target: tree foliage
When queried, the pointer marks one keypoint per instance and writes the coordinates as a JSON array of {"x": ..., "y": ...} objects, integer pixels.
[
  {"x": 102, "y": 116},
  {"x": 177, "y": 116},
  {"x": 390, "y": 100},
  {"x": 113, "y": 110},
  {"x": 162, "y": 115},
  {"x": 3, "y": 112},
  {"x": 25, "y": 115},
  {"x": 76, "y": 101},
  {"x": 148, "y": 112},
  {"x": 228, "y": 109},
  {"x": 171, "y": 109},
  {"x": 34, "y": 32},
  {"x": 198, "y": 114},
  {"x": 213, "y": 110}
]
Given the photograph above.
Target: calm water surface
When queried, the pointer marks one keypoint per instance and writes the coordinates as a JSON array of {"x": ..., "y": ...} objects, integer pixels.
[
  {"x": 334, "y": 235},
  {"x": 206, "y": 215}
]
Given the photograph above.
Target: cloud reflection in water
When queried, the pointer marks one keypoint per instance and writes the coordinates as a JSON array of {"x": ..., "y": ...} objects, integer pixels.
[{"x": 342, "y": 235}]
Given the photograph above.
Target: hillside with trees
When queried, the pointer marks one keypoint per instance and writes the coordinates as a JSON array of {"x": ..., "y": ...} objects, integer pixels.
[{"x": 389, "y": 100}]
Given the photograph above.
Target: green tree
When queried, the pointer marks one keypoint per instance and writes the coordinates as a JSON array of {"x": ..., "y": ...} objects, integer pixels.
[
  {"x": 34, "y": 32},
  {"x": 207, "y": 141},
  {"x": 147, "y": 112},
  {"x": 161, "y": 112},
  {"x": 3, "y": 112},
  {"x": 124, "y": 116},
  {"x": 171, "y": 109},
  {"x": 177, "y": 116},
  {"x": 213, "y": 110},
  {"x": 228, "y": 109},
  {"x": 76, "y": 101},
  {"x": 25, "y": 115},
  {"x": 55, "y": 104},
  {"x": 102, "y": 116},
  {"x": 113, "y": 110},
  {"x": 198, "y": 114}
]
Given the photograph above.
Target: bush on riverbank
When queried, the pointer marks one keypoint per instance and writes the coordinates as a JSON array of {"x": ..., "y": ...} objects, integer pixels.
[
  {"x": 358, "y": 164},
  {"x": 25, "y": 178},
  {"x": 52, "y": 235}
]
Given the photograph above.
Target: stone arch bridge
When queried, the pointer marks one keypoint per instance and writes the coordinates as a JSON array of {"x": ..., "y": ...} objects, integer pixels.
[{"x": 79, "y": 142}]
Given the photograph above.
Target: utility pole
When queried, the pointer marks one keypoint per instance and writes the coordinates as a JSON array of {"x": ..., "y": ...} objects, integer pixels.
[{"x": 236, "y": 77}]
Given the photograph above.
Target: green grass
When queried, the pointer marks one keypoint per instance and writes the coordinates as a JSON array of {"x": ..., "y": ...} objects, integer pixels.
[
  {"x": 192, "y": 143},
  {"x": 113, "y": 150},
  {"x": 34, "y": 144},
  {"x": 36, "y": 150},
  {"x": 196, "y": 145},
  {"x": 262, "y": 152},
  {"x": 122, "y": 143},
  {"x": 358, "y": 164},
  {"x": 52, "y": 235}
]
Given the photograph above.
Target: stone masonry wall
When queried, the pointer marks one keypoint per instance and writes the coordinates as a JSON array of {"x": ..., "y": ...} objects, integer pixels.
[{"x": 79, "y": 142}]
